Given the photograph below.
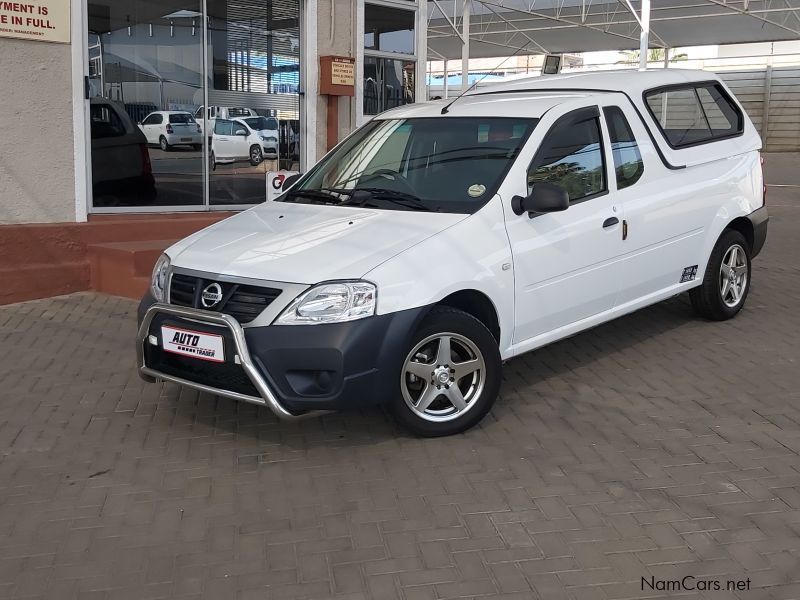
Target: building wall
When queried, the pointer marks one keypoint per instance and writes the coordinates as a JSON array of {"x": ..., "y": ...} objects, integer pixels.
[{"x": 37, "y": 173}]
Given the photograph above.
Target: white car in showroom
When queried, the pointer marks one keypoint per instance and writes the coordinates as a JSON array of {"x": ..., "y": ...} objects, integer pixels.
[
  {"x": 212, "y": 113},
  {"x": 441, "y": 239},
  {"x": 168, "y": 128},
  {"x": 248, "y": 138}
]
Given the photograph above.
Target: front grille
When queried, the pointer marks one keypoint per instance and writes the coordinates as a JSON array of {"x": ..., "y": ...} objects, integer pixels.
[
  {"x": 222, "y": 376},
  {"x": 243, "y": 302}
]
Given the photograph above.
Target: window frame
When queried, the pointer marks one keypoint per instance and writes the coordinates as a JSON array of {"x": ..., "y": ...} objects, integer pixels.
[
  {"x": 693, "y": 85},
  {"x": 606, "y": 109},
  {"x": 417, "y": 57},
  {"x": 579, "y": 115}
]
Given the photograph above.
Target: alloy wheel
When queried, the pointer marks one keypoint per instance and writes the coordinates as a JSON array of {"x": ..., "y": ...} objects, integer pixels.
[
  {"x": 733, "y": 275},
  {"x": 443, "y": 377}
]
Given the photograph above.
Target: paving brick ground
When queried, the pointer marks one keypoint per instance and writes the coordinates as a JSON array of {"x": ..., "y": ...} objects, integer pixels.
[{"x": 656, "y": 446}]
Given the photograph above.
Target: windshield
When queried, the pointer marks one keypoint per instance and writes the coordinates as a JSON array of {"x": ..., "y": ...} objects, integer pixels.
[
  {"x": 261, "y": 123},
  {"x": 445, "y": 164},
  {"x": 181, "y": 118}
]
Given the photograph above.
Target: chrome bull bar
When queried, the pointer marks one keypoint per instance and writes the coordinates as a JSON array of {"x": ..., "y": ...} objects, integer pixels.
[{"x": 267, "y": 398}]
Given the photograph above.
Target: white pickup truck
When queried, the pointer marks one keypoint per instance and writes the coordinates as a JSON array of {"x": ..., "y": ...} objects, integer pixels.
[{"x": 441, "y": 239}]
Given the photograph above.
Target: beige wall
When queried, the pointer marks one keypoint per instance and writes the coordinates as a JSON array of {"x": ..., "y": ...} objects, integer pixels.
[
  {"x": 337, "y": 17},
  {"x": 37, "y": 174}
]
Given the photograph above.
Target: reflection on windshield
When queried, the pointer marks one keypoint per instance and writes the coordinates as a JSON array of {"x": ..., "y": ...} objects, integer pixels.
[{"x": 448, "y": 164}]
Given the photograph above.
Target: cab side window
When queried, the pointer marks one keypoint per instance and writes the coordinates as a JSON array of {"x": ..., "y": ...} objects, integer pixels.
[
  {"x": 571, "y": 156},
  {"x": 628, "y": 164}
]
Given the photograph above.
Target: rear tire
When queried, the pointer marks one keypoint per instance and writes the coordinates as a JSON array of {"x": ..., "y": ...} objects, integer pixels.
[
  {"x": 450, "y": 377},
  {"x": 727, "y": 280},
  {"x": 163, "y": 144},
  {"x": 197, "y": 147}
]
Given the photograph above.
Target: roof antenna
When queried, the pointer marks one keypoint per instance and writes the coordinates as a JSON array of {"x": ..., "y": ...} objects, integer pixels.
[{"x": 446, "y": 109}]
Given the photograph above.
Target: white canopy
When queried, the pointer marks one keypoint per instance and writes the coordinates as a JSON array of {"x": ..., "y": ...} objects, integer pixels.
[{"x": 502, "y": 27}]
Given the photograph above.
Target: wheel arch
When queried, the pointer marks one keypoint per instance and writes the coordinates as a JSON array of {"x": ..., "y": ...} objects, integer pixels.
[
  {"x": 743, "y": 226},
  {"x": 477, "y": 304}
]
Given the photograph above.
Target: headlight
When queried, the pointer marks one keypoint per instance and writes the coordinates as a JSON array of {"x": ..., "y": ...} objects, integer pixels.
[
  {"x": 331, "y": 303},
  {"x": 158, "y": 283}
]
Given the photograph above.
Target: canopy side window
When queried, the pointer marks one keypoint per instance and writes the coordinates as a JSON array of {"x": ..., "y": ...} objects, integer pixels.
[{"x": 693, "y": 114}]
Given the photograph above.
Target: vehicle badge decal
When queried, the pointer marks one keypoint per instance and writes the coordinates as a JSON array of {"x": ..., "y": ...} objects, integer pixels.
[{"x": 211, "y": 296}]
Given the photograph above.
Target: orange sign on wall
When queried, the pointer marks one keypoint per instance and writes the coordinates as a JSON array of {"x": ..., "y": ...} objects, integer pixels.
[{"x": 337, "y": 75}]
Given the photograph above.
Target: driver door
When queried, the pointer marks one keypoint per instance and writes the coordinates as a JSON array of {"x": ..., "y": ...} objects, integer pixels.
[{"x": 565, "y": 262}]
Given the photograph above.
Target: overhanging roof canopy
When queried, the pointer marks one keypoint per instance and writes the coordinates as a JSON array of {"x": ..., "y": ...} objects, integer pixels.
[{"x": 502, "y": 27}]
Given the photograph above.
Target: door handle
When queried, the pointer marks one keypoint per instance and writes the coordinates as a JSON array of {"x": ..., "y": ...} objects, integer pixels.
[{"x": 610, "y": 222}]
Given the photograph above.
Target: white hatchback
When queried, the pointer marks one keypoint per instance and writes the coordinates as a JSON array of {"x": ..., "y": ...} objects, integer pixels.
[
  {"x": 441, "y": 239},
  {"x": 248, "y": 138},
  {"x": 168, "y": 128}
]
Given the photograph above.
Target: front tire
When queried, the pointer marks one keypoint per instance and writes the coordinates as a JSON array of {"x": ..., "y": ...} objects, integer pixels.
[
  {"x": 256, "y": 156},
  {"x": 727, "y": 280},
  {"x": 450, "y": 376}
]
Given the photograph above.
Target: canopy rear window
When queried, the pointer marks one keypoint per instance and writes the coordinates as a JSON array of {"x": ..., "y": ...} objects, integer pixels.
[{"x": 693, "y": 114}]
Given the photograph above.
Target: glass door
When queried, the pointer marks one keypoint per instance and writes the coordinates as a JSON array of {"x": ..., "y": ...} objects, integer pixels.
[
  {"x": 252, "y": 109},
  {"x": 192, "y": 102},
  {"x": 145, "y": 81}
]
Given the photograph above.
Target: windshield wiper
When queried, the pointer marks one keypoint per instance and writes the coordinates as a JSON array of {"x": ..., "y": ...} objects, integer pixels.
[
  {"x": 323, "y": 195},
  {"x": 395, "y": 197}
]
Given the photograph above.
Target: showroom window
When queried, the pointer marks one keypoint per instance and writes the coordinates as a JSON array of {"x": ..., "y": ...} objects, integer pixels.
[
  {"x": 161, "y": 74},
  {"x": 390, "y": 55}
]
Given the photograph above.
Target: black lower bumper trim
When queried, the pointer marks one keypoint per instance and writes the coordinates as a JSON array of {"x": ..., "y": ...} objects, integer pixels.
[
  {"x": 334, "y": 366},
  {"x": 308, "y": 367},
  {"x": 760, "y": 219}
]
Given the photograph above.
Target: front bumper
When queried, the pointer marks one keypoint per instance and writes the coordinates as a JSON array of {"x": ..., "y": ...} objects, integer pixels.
[{"x": 294, "y": 370}]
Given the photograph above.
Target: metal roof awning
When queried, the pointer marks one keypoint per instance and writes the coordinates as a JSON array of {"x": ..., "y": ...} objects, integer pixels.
[{"x": 501, "y": 27}]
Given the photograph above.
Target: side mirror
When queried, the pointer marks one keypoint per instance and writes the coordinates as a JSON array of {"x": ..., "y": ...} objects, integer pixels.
[
  {"x": 240, "y": 132},
  {"x": 545, "y": 198},
  {"x": 291, "y": 180}
]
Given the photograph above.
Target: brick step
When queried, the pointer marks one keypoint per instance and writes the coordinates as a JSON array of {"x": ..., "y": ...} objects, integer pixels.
[
  {"x": 123, "y": 268},
  {"x": 38, "y": 260},
  {"x": 31, "y": 281},
  {"x": 56, "y": 242}
]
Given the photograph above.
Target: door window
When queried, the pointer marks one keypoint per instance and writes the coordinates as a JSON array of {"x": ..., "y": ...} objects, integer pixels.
[
  {"x": 628, "y": 164},
  {"x": 571, "y": 156},
  {"x": 222, "y": 127}
]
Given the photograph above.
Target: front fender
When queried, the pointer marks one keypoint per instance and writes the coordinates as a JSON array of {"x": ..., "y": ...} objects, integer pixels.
[{"x": 470, "y": 255}]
